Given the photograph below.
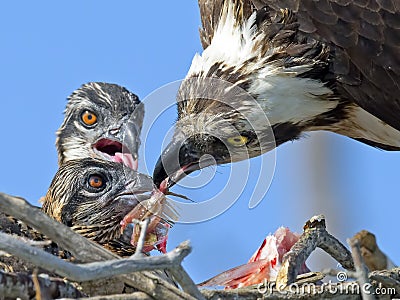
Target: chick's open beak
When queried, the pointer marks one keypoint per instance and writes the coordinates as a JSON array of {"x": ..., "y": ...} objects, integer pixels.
[{"x": 119, "y": 144}]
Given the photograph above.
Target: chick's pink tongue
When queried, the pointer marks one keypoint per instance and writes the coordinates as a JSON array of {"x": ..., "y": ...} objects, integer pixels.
[{"x": 126, "y": 159}]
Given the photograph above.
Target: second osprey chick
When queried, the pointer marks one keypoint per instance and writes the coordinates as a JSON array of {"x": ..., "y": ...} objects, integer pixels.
[{"x": 101, "y": 120}]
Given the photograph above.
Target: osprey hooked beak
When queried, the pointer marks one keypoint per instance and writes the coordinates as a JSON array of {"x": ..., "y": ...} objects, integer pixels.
[
  {"x": 182, "y": 157},
  {"x": 175, "y": 162}
]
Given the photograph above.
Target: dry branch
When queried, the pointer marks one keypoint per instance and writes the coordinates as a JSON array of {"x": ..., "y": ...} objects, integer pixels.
[
  {"x": 361, "y": 268},
  {"x": 174, "y": 265},
  {"x": 97, "y": 262},
  {"x": 80, "y": 247},
  {"x": 22, "y": 286},
  {"x": 387, "y": 278},
  {"x": 84, "y": 250},
  {"x": 133, "y": 296},
  {"x": 315, "y": 235},
  {"x": 143, "y": 228},
  {"x": 186, "y": 282},
  {"x": 94, "y": 270}
]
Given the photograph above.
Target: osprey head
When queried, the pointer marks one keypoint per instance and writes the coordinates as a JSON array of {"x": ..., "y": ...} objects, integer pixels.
[
  {"x": 218, "y": 123},
  {"x": 242, "y": 77},
  {"x": 300, "y": 81},
  {"x": 101, "y": 120}
]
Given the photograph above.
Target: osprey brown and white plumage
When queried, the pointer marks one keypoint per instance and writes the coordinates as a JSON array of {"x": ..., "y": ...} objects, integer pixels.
[{"x": 308, "y": 64}]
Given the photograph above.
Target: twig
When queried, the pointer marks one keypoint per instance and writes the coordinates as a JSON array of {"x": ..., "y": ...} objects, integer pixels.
[
  {"x": 94, "y": 270},
  {"x": 79, "y": 246},
  {"x": 34, "y": 243},
  {"x": 175, "y": 268},
  {"x": 186, "y": 282},
  {"x": 36, "y": 284},
  {"x": 361, "y": 269},
  {"x": 133, "y": 296},
  {"x": 388, "y": 278},
  {"x": 142, "y": 237},
  {"x": 315, "y": 235},
  {"x": 84, "y": 250},
  {"x": 13, "y": 286}
]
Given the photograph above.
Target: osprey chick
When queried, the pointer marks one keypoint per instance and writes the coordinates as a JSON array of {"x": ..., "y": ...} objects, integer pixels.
[
  {"x": 94, "y": 196},
  {"x": 271, "y": 70},
  {"x": 101, "y": 120}
]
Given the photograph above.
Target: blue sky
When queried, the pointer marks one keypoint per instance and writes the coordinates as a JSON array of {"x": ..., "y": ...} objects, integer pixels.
[{"x": 48, "y": 50}]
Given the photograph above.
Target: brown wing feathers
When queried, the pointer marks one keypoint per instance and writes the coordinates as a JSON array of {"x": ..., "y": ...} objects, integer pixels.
[
  {"x": 365, "y": 38},
  {"x": 210, "y": 12}
]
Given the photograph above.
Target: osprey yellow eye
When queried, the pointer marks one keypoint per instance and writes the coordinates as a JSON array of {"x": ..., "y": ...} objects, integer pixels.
[
  {"x": 96, "y": 181},
  {"x": 88, "y": 118},
  {"x": 238, "y": 140}
]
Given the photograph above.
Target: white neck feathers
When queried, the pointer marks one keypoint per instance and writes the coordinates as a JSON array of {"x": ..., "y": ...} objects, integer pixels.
[{"x": 283, "y": 96}]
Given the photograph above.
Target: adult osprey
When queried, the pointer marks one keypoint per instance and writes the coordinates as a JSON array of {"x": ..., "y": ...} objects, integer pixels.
[{"x": 296, "y": 66}]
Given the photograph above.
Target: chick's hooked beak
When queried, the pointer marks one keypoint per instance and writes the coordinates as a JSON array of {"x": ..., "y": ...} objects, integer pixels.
[
  {"x": 120, "y": 144},
  {"x": 131, "y": 139}
]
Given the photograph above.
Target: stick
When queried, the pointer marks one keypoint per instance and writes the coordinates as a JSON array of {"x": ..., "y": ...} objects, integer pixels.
[
  {"x": 84, "y": 250},
  {"x": 13, "y": 286},
  {"x": 94, "y": 270},
  {"x": 361, "y": 269},
  {"x": 176, "y": 269},
  {"x": 186, "y": 282},
  {"x": 314, "y": 235},
  {"x": 142, "y": 237}
]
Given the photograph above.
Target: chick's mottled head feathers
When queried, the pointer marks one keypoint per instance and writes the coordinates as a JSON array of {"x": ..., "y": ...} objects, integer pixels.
[
  {"x": 101, "y": 120},
  {"x": 95, "y": 197}
]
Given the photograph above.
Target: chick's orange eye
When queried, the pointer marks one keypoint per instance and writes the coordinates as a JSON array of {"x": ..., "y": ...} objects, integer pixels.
[
  {"x": 88, "y": 118},
  {"x": 96, "y": 181}
]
